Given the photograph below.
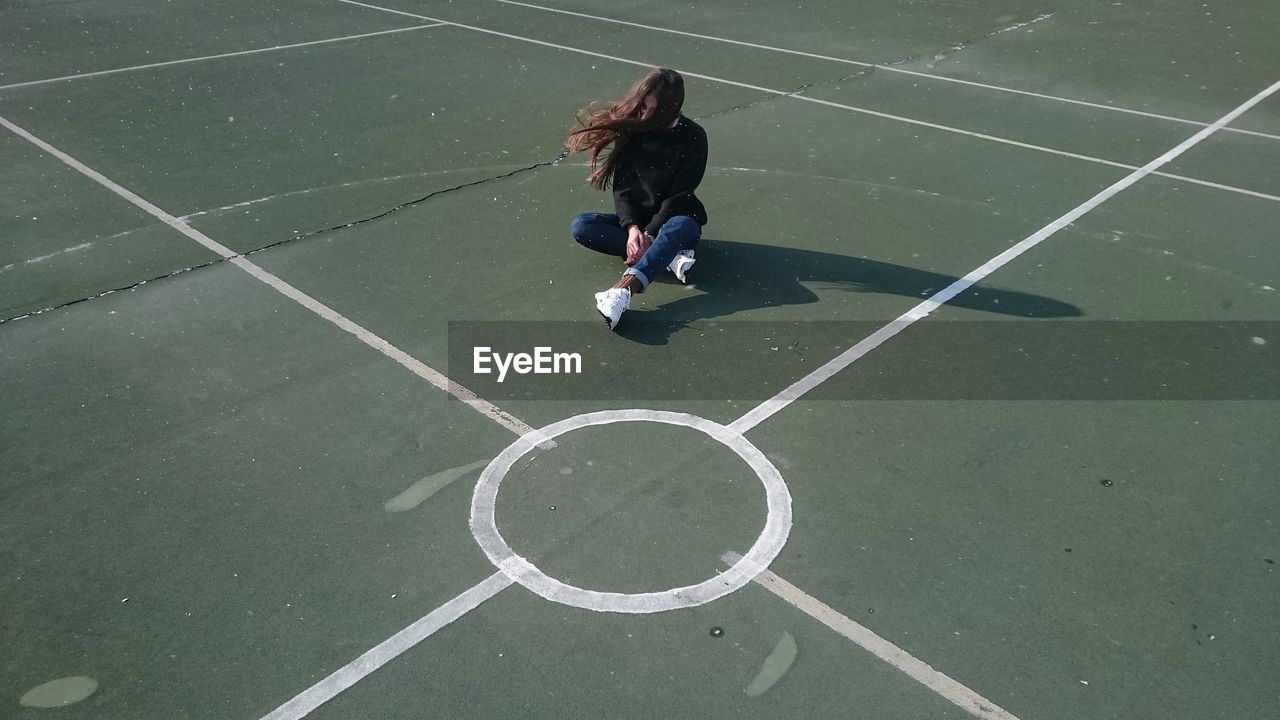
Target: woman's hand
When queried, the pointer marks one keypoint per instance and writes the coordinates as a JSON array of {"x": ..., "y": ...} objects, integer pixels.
[{"x": 638, "y": 241}]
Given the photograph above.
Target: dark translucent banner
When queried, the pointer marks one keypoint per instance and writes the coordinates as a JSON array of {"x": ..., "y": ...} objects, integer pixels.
[{"x": 931, "y": 360}]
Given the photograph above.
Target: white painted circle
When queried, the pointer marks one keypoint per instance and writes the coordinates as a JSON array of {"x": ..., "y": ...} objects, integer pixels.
[{"x": 776, "y": 527}]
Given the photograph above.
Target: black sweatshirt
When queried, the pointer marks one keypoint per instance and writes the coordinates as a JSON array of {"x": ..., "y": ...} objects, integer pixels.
[{"x": 656, "y": 175}]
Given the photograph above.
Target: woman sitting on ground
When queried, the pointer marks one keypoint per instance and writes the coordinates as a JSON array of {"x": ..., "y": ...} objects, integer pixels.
[{"x": 654, "y": 158}]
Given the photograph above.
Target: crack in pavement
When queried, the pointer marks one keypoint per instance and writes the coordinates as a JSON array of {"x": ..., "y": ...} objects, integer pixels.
[
  {"x": 790, "y": 93},
  {"x": 437, "y": 193},
  {"x": 302, "y": 236},
  {"x": 867, "y": 71},
  {"x": 295, "y": 238},
  {"x": 861, "y": 73},
  {"x": 943, "y": 54}
]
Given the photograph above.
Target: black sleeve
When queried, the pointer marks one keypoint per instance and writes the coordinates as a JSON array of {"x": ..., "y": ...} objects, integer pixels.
[
  {"x": 626, "y": 185},
  {"x": 693, "y": 165}
]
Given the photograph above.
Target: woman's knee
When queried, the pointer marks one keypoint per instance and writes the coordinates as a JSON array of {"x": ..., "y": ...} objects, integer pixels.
[
  {"x": 683, "y": 227},
  {"x": 580, "y": 227}
]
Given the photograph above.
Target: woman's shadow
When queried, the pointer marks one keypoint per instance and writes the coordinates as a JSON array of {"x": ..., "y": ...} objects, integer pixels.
[{"x": 737, "y": 276}]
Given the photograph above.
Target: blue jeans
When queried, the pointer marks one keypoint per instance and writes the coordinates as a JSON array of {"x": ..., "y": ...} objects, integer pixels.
[{"x": 603, "y": 233}]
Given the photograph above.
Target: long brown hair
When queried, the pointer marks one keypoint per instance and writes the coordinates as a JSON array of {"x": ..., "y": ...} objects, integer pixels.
[{"x": 602, "y": 125}]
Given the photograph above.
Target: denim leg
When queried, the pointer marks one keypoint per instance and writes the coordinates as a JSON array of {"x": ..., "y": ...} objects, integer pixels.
[
  {"x": 600, "y": 232},
  {"x": 679, "y": 233}
]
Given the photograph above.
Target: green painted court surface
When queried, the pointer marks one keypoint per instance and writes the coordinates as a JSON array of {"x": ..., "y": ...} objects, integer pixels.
[{"x": 226, "y": 479}]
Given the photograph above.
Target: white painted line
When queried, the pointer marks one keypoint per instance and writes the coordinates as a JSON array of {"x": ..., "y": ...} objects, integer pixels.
[
  {"x": 888, "y": 68},
  {"x": 166, "y": 63},
  {"x": 397, "y": 644},
  {"x": 788, "y": 94},
  {"x": 356, "y": 670},
  {"x": 1085, "y": 103},
  {"x": 758, "y": 88},
  {"x": 111, "y": 185},
  {"x": 917, "y": 670},
  {"x": 744, "y": 569},
  {"x": 415, "y": 366},
  {"x": 1219, "y": 186},
  {"x": 871, "y": 342},
  {"x": 367, "y": 663},
  {"x": 772, "y": 538}
]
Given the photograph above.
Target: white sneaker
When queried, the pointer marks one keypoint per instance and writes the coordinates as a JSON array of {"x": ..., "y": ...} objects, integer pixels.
[
  {"x": 611, "y": 304},
  {"x": 681, "y": 264}
]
